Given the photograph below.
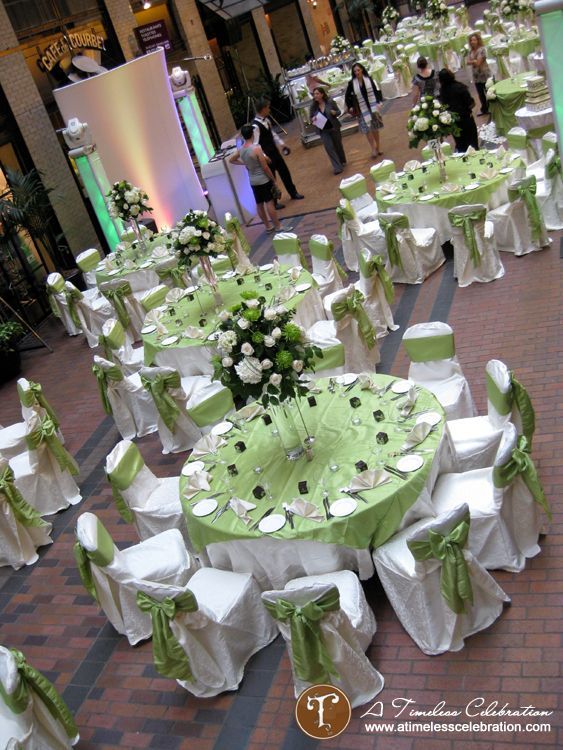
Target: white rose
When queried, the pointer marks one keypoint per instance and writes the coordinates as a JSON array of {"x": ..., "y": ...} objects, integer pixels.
[
  {"x": 206, "y": 235},
  {"x": 275, "y": 379},
  {"x": 280, "y": 309},
  {"x": 227, "y": 340},
  {"x": 227, "y": 362},
  {"x": 276, "y": 333},
  {"x": 252, "y": 303},
  {"x": 434, "y": 128},
  {"x": 134, "y": 210},
  {"x": 410, "y": 134},
  {"x": 197, "y": 233},
  {"x": 297, "y": 365},
  {"x": 435, "y": 113},
  {"x": 266, "y": 364},
  {"x": 131, "y": 196},
  {"x": 243, "y": 323},
  {"x": 270, "y": 313},
  {"x": 224, "y": 315},
  {"x": 445, "y": 118},
  {"x": 269, "y": 341},
  {"x": 424, "y": 106},
  {"x": 421, "y": 124},
  {"x": 416, "y": 109},
  {"x": 249, "y": 370},
  {"x": 436, "y": 103},
  {"x": 125, "y": 205},
  {"x": 247, "y": 349}
]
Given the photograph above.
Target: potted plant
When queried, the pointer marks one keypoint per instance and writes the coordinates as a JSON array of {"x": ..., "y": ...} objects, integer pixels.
[{"x": 10, "y": 361}]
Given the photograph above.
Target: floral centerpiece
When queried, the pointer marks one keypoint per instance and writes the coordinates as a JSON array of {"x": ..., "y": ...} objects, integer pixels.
[
  {"x": 340, "y": 45},
  {"x": 198, "y": 236},
  {"x": 430, "y": 119},
  {"x": 436, "y": 10},
  {"x": 390, "y": 15},
  {"x": 127, "y": 202},
  {"x": 490, "y": 92},
  {"x": 509, "y": 8}
]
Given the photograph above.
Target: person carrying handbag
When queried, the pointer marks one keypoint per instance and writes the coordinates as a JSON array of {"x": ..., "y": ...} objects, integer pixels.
[
  {"x": 324, "y": 116},
  {"x": 363, "y": 99}
]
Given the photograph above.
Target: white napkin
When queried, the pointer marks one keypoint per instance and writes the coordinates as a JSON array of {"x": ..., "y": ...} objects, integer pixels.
[
  {"x": 295, "y": 273},
  {"x": 251, "y": 411},
  {"x": 470, "y": 151},
  {"x": 192, "y": 332},
  {"x": 208, "y": 444},
  {"x": 488, "y": 174},
  {"x": 241, "y": 508},
  {"x": 129, "y": 264},
  {"x": 411, "y": 165},
  {"x": 366, "y": 383},
  {"x": 418, "y": 433},
  {"x": 409, "y": 402},
  {"x": 449, "y": 187},
  {"x": 387, "y": 187},
  {"x": 305, "y": 509},
  {"x": 244, "y": 266},
  {"x": 286, "y": 293},
  {"x": 368, "y": 480},
  {"x": 175, "y": 295},
  {"x": 160, "y": 252},
  {"x": 153, "y": 316},
  {"x": 501, "y": 152},
  {"x": 197, "y": 481}
]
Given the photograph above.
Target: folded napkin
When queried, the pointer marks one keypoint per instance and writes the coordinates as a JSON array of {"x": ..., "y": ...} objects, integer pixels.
[
  {"x": 501, "y": 152},
  {"x": 276, "y": 266},
  {"x": 241, "y": 508},
  {"x": 295, "y": 273},
  {"x": 154, "y": 316},
  {"x": 160, "y": 252},
  {"x": 192, "y": 332},
  {"x": 450, "y": 187},
  {"x": 387, "y": 188},
  {"x": 368, "y": 480},
  {"x": 244, "y": 266},
  {"x": 208, "y": 444},
  {"x": 197, "y": 481},
  {"x": 409, "y": 402},
  {"x": 366, "y": 383},
  {"x": 251, "y": 411},
  {"x": 418, "y": 433},
  {"x": 470, "y": 151},
  {"x": 286, "y": 293},
  {"x": 488, "y": 174},
  {"x": 305, "y": 509},
  {"x": 175, "y": 295},
  {"x": 411, "y": 165},
  {"x": 129, "y": 264}
]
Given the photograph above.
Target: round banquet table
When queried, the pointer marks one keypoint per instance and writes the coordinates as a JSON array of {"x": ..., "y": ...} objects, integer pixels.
[
  {"x": 511, "y": 95},
  {"x": 343, "y": 437},
  {"x": 191, "y": 322},
  {"x": 430, "y": 207},
  {"x": 536, "y": 124}
]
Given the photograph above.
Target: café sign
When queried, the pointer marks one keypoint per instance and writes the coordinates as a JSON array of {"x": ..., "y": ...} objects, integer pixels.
[{"x": 66, "y": 43}]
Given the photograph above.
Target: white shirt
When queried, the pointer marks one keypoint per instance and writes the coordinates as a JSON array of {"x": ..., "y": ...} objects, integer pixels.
[{"x": 265, "y": 122}]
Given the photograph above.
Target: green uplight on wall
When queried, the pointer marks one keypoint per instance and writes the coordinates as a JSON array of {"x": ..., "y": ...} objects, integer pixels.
[
  {"x": 87, "y": 168},
  {"x": 550, "y": 16},
  {"x": 196, "y": 127}
]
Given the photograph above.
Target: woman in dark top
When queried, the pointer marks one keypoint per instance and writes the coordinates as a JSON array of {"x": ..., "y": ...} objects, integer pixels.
[
  {"x": 425, "y": 81},
  {"x": 362, "y": 99},
  {"x": 456, "y": 97},
  {"x": 330, "y": 130}
]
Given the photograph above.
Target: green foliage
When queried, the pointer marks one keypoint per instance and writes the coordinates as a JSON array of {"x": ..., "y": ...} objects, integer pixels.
[{"x": 10, "y": 333}]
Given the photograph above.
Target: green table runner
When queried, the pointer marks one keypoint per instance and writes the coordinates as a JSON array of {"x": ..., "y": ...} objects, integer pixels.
[
  {"x": 337, "y": 442},
  {"x": 458, "y": 172},
  {"x": 510, "y": 96},
  {"x": 188, "y": 312}
]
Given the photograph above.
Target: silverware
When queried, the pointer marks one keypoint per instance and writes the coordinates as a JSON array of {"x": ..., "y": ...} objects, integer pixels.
[
  {"x": 262, "y": 517},
  {"x": 354, "y": 495},
  {"x": 352, "y": 385},
  {"x": 395, "y": 471},
  {"x": 388, "y": 386},
  {"x": 327, "y": 508},
  {"x": 289, "y": 517},
  {"x": 221, "y": 510}
]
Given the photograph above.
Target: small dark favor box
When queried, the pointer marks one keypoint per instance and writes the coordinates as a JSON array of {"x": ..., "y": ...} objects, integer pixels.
[
  {"x": 202, "y": 322},
  {"x": 191, "y": 297},
  {"x": 240, "y": 281},
  {"x": 267, "y": 419},
  {"x": 232, "y": 469},
  {"x": 240, "y": 446},
  {"x": 312, "y": 401},
  {"x": 472, "y": 175},
  {"x": 257, "y": 277},
  {"x": 482, "y": 160},
  {"x": 465, "y": 158},
  {"x": 355, "y": 402},
  {"x": 424, "y": 170},
  {"x": 258, "y": 492},
  {"x": 303, "y": 488},
  {"x": 268, "y": 286},
  {"x": 378, "y": 415},
  {"x": 410, "y": 176},
  {"x": 361, "y": 465},
  {"x": 382, "y": 438},
  {"x": 421, "y": 189}
]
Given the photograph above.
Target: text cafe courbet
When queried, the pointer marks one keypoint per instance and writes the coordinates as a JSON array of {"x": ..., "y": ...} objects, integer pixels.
[{"x": 66, "y": 43}]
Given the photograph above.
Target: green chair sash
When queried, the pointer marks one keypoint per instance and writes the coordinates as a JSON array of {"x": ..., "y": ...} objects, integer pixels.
[
  {"x": 325, "y": 251},
  {"x": 430, "y": 348},
  {"x": 88, "y": 261},
  {"x": 46, "y": 433},
  {"x": 211, "y": 410},
  {"x": 103, "y": 375},
  {"x": 170, "y": 659},
  {"x": 343, "y": 214},
  {"x": 34, "y": 395},
  {"x": 516, "y": 140},
  {"x": 233, "y": 225},
  {"x": 289, "y": 246},
  {"x": 501, "y": 401},
  {"x": 353, "y": 305},
  {"x": 354, "y": 190},
  {"x": 376, "y": 266},
  {"x": 500, "y": 54},
  {"x": 72, "y": 296},
  {"x": 158, "y": 387},
  {"x": 175, "y": 273},
  {"x": 114, "y": 340},
  {"x": 102, "y": 556},
  {"x": 54, "y": 288},
  {"x": 521, "y": 464},
  {"x": 455, "y": 583},
  {"x": 23, "y": 512},
  {"x": 116, "y": 297},
  {"x": 466, "y": 221},
  {"x": 553, "y": 167},
  {"x": 549, "y": 141},
  {"x": 32, "y": 681},
  {"x": 390, "y": 227},
  {"x": 526, "y": 190},
  {"x": 122, "y": 477},
  {"x": 380, "y": 172},
  {"x": 516, "y": 395},
  {"x": 402, "y": 66},
  {"x": 311, "y": 660},
  {"x": 154, "y": 298}
]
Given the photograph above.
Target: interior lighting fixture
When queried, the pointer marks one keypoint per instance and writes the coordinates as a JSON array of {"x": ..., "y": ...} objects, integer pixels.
[{"x": 146, "y": 5}]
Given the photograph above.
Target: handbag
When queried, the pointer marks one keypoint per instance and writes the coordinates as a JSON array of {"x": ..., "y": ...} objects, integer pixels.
[{"x": 376, "y": 120}]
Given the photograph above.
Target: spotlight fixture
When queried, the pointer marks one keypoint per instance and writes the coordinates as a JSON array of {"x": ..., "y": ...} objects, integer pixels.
[{"x": 146, "y": 5}]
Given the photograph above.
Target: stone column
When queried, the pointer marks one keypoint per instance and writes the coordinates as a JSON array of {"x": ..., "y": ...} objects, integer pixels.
[
  {"x": 193, "y": 34},
  {"x": 267, "y": 41},
  {"x": 42, "y": 142},
  {"x": 123, "y": 22}
]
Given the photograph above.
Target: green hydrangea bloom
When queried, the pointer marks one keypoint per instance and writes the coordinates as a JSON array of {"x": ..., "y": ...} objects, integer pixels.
[
  {"x": 252, "y": 315},
  {"x": 291, "y": 333},
  {"x": 283, "y": 360},
  {"x": 257, "y": 337}
]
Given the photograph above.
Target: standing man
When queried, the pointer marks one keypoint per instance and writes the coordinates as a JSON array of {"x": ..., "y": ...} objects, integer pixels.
[{"x": 271, "y": 144}]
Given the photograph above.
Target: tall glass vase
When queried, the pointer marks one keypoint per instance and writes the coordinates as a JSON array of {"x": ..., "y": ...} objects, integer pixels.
[
  {"x": 139, "y": 236},
  {"x": 287, "y": 431},
  {"x": 210, "y": 277}
]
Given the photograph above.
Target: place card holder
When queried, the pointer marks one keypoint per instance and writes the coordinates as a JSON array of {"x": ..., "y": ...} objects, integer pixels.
[
  {"x": 421, "y": 189},
  {"x": 257, "y": 278},
  {"x": 482, "y": 160},
  {"x": 259, "y": 492},
  {"x": 404, "y": 185},
  {"x": 361, "y": 466},
  {"x": 303, "y": 488},
  {"x": 410, "y": 176},
  {"x": 190, "y": 297},
  {"x": 378, "y": 415},
  {"x": 232, "y": 470},
  {"x": 490, "y": 164},
  {"x": 355, "y": 402},
  {"x": 465, "y": 159},
  {"x": 382, "y": 438},
  {"x": 240, "y": 447},
  {"x": 424, "y": 171},
  {"x": 312, "y": 401},
  {"x": 267, "y": 419}
]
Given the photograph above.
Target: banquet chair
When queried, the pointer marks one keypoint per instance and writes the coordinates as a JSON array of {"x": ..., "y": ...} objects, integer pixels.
[
  {"x": 439, "y": 589},
  {"x": 171, "y": 274},
  {"x": 45, "y": 473},
  {"x": 382, "y": 171},
  {"x": 390, "y": 86},
  {"x": 22, "y": 529},
  {"x": 113, "y": 577},
  {"x": 402, "y": 74},
  {"x": 434, "y": 365},
  {"x": 209, "y": 629},
  {"x": 128, "y": 309},
  {"x": 89, "y": 310},
  {"x": 517, "y": 140},
  {"x": 288, "y": 249},
  {"x": 152, "y": 504},
  {"x": 476, "y": 257},
  {"x": 519, "y": 226},
  {"x": 505, "y": 502},
  {"x": 61, "y": 300},
  {"x": 429, "y": 153},
  {"x": 411, "y": 254},
  {"x": 350, "y": 333},
  {"x": 473, "y": 442},
  {"x": 125, "y": 399},
  {"x": 33, "y": 716},
  {"x": 549, "y": 141},
  {"x": 239, "y": 252},
  {"x": 117, "y": 343},
  {"x": 549, "y": 193},
  {"x": 87, "y": 261},
  {"x": 323, "y": 645},
  {"x": 355, "y": 190},
  {"x": 327, "y": 272},
  {"x": 376, "y": 286},
  {"x": 355, "y": 235},
  {"x": 154, "y": 297}
]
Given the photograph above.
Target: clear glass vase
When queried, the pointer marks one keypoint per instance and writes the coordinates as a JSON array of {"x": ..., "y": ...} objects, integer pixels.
[
  {"x": 287, "y": 431},
  {"x": 139, "y": 236},
  {"x": 211, "y": 278}
]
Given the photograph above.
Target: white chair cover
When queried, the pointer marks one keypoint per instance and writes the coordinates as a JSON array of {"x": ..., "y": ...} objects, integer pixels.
[
  {"x": 519, "y": 143},
  {"x": 376, "y": 305},
  {"x": 118, "y": 346},
  {"x": 356, "y": 236},
  {"x": 413, "y": 588},
  {"x": 355, "y": 189},
  {"x": 34, "y": 728},
  {"x": 56, "y": 281},
  {"x": 12, "y": 439},
  {"x": 549, "y": 193},
  {"x": 132, "y": 305},
  {"x": 419, "y": 249},
  {"x": 392, "y": 86},
  {"x": 154, "y": 297},
  {"x": 154, "y": 503},
  {"x": 325, "y": 270},
  {"x": 443, "y": 376},
  {"x": 488, "y": 265},
  {"x": 87, "y": 261},
  {"x": 92, "y": 311},
  {"x": 229, "y": 626},
  {"x": 356, "y": 676},
  {"x": 282, "y": 241},
  {"x": 160, "y": 559},
  {"x": 512, "y": 226},
  {"x": 30, "y": 401}
]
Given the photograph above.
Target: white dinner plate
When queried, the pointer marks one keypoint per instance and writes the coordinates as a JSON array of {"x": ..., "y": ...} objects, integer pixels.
[
  {"x": 204, "y": 507},
  {"x": 229, "y": 274},
  {"x": 507, "y": 170},
  {"x": 410, "y": 463},
  {"x": 402, "y": 386},
  {"x": 426, "y": 197},
  {"x": 191, "y": 289},
  {"x": 343, "y": 507},
  {"x": 169, "y": 340},
  {"x": 400, "y": 174},
  {"x": 266, "y": 267},
  {"x": 148, "y": 329},
  {"x": 114, "y": 272},
  {"x": 430, "y": 417},
  {"x": 302, "y": 287},
  {"x": 272, "y": 523},
  {"x": 222, "y": 428},
  {"x": 347, "y": 379},
  {"x": 192, "y": 467},
  {"x": 213, "y": 336},
  {"x": 472, "y": 186},
  {"x": 146, "y": 264}
]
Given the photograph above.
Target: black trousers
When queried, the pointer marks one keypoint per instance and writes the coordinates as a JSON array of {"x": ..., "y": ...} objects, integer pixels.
[
  {"x": 468, "y": 135},
  {"x": 482, "y": 97},
  {"x": 278, "y": 165}
]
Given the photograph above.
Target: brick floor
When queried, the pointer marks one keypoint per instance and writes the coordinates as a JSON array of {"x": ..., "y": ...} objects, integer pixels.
[{"x": 121, "y": 702}]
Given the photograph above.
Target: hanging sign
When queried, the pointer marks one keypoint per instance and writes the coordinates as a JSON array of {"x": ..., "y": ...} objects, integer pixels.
[{"x": 153, "y": 35}]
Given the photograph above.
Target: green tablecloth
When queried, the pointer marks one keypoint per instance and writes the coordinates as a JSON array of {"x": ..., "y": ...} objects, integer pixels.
[
  {"x": 458, "y": 173},
  {"x": 188, "y": 312},
  {"x": 337, "y": 442},
  {"x": 525, "y": 46},
  {"x": 511, "y": 95}
]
